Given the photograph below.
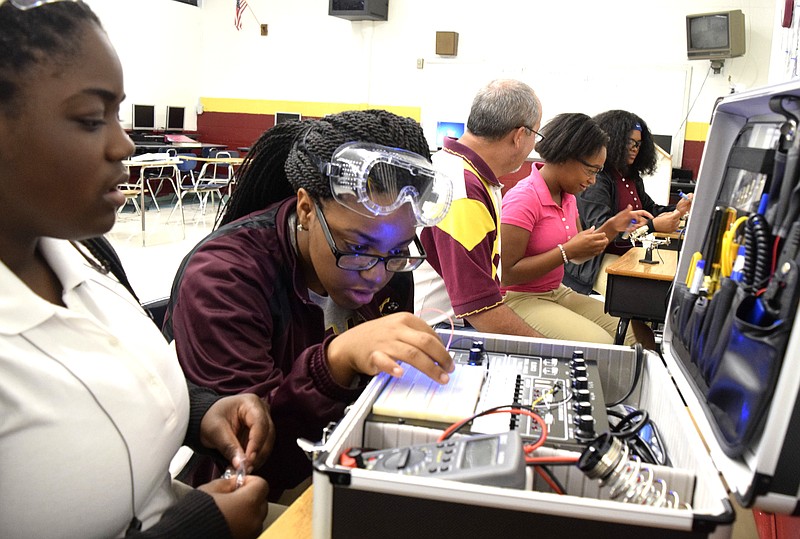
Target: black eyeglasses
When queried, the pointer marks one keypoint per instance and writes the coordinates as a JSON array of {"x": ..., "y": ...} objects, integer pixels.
[
  {"x": 539, "y": 137},
  {"x": 359, "y": 262},
  {"x": 590, "y": 170},
  {"x": 634, "y": 144}
]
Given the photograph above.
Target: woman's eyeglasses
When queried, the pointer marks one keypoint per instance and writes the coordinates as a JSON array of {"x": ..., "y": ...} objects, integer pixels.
[
  {"x": 363, "y": 262},
  {"x": 589, "y": 169},
  {"x": 634, "y": 144}
]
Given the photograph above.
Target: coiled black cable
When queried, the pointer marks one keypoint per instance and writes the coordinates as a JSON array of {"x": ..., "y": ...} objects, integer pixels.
[{"x": 757, "y": 264}]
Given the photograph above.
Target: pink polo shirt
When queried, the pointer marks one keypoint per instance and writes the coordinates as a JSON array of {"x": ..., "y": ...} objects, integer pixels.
[{"x": 529, "y": 205}]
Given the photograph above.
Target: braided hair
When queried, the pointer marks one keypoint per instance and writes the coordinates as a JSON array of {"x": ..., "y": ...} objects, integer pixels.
[
  {"x": 277, "y": 166},
  {"x": 49, "y": 33},
  {"x": 618, "y": 124}
]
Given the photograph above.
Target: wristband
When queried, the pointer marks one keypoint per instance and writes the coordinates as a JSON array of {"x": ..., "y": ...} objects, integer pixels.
[{"x": 563, "y": 254}]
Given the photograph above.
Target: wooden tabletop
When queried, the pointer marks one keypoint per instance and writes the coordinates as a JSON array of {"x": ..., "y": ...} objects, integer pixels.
[
  {"x": 670, "y": 235},
  {"x": 295, "y": 522},
  {"x": 628, "y": 265}
]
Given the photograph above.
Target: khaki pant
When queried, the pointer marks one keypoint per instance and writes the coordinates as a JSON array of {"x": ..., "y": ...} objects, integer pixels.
[
  {"x": 566, "y": 315},
  {"x": 601, "y": 280}
]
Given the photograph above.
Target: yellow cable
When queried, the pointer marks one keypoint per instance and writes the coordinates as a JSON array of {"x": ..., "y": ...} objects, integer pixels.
[
  {"x": 729, "y": 247},
  {"x": 737, "y": 223},
  {"x": 542, "y": 396}
]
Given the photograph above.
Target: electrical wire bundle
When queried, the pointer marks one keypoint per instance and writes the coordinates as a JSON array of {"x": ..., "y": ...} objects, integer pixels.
[
  {"x": 635, "y": 429},
  {"x": 539, "y": 463}
]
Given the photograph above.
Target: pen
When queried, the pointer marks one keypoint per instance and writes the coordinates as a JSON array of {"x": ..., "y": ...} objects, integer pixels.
[
  {"x": 682, "y": 195},
  {"x": 738, "y": 265},
  {"x": 626, "y": 234},
  {"x": 697, "y": 277}
]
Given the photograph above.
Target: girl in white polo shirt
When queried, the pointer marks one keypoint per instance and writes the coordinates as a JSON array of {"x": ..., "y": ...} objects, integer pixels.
[{"x": 93, "y": 403}]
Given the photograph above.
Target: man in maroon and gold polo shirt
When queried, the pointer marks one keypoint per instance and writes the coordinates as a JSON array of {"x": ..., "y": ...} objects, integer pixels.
[{"x": 461, "y": 276}]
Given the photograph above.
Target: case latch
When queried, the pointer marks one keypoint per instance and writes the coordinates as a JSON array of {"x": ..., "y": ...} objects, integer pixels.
[{"x": 313, "y": 450}]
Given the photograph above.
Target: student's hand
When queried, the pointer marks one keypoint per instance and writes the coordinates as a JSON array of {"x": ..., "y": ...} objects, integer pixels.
[
  {"x": 586, "y": 244},
  {"x": 668, "y": 222},
  {"x": 376, "y": 346},
  {"x": 244, "y": 508},
  {"x": 627, "y": 220},
  {"x": 685, "y": 204},
  {"x": 239, "y": 420}
]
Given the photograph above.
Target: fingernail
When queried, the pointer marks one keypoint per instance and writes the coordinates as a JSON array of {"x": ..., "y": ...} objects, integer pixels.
[
  {"x": 397, "y": 371},
  {"x": 444, "y": 378}
]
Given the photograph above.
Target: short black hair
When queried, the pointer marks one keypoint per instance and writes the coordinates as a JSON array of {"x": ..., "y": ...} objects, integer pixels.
[{"x": 570, "y": 136}]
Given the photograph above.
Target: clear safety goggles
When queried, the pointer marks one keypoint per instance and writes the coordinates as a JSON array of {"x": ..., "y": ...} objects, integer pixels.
[
  {"x": 30, "y": 4},
  {"x": 372, "y": 180}
]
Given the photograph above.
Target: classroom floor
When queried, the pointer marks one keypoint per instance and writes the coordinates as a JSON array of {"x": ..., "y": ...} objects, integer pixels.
[{"x": 151, "y": 267}]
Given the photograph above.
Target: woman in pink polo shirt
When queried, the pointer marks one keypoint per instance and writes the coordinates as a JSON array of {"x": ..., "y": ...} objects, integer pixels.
[{"x": 541, "y": 232}]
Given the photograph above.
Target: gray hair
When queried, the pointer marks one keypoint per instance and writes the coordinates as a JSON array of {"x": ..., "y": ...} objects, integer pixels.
[{"x": 501, "y": 106}]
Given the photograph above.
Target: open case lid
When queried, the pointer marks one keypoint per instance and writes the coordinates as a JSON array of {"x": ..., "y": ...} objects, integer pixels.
[{"x": 767, "y": 472}]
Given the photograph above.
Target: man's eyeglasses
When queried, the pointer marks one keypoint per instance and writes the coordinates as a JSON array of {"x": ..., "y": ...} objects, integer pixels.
[
  {"x": 590, "y": 169},
  {"x": 634, "y": 144},
  {"x": 539, "y": 137},
  {"x": 363, "y": 262},
  {"x": 30, "y": 4}
]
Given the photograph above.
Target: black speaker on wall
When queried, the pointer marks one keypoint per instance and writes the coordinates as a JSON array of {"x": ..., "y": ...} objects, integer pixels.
[{"x": 359, "y": 10}]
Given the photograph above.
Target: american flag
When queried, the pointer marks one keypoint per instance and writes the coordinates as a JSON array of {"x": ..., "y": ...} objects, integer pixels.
[{"x": 241, "y": 5}]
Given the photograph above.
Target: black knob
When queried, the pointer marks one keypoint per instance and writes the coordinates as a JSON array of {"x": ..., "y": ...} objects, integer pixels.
[
  {"x": 580, "y": 370},
  {"x": 476, "y": 353},
  {"x": 585, "y": 427},
  {"x": 580, "y": 382},
  {"x": 581, "y": 408}
]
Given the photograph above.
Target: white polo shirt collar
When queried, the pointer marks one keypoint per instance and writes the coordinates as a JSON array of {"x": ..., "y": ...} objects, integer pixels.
[{"x": 20, "y": 308}]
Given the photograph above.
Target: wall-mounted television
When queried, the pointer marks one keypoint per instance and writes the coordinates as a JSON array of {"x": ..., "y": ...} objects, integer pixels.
[
  {"x": 144, "y": 117},
  {"x": 664, "y": 142},
  {"x": 359, "y": 10},
  {"x": 448, "y": 129},
  {"x": 281, "y": 117},
  {"x": 717, "y": 35},
  {"x": 175, "y": 117}
]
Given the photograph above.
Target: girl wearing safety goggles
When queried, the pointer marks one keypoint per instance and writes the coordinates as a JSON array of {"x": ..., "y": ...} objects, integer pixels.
[{"x": 305, "y": 291}]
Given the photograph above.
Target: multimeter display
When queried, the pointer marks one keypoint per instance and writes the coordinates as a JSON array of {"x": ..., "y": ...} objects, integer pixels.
[
  {"x": 479, "y": 453},
  {"x": 489, "y": 459}
]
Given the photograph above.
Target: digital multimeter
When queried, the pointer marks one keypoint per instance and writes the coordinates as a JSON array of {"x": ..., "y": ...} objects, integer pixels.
[{"x": 489, "y": 459}]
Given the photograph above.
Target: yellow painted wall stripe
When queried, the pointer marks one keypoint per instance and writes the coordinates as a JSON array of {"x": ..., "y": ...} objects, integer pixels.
[
  {"x": 697, "y": 131},
  {"x": 305, "y": 108}
]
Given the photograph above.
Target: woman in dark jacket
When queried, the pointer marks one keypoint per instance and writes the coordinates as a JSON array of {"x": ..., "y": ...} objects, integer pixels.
[
  {"x": 631, "y": 153},
  {"x": 304, "y": 292}
]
